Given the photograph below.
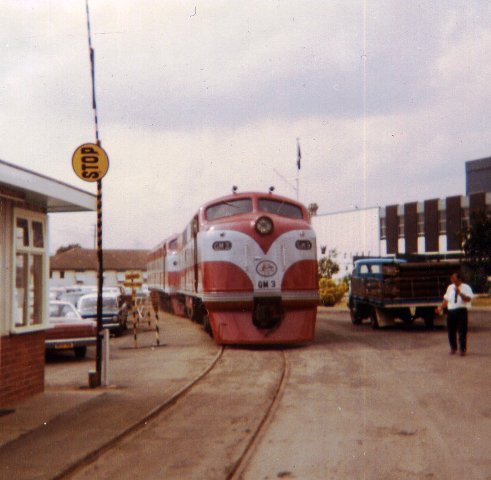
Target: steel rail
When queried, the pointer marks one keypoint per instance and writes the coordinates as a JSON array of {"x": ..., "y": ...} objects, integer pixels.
[
  {"x": 139, "y": 424},
  {"x": 241, "y": 464}
]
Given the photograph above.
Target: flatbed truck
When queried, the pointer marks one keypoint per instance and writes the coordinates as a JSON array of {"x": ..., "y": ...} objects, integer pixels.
[{"x": 385, "y": 289}]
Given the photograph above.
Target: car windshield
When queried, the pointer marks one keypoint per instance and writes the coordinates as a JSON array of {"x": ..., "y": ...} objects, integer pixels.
[
  {"x": 89, "y": 304},
  {"x": 63, "y": 311},
  {"x": 278, "y": 207},
  {"x": 72, "y": 297},
  {"x": 114, "y": 290},
  {"x": 229, "y": 208}
]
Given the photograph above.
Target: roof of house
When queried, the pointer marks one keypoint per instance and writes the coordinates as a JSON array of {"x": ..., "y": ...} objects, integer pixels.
[
  {"x": 55, "y": 195},
  {"x": 78, "y": 258}
]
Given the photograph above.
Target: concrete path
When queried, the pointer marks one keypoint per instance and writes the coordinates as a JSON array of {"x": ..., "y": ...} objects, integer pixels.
[{"x": 48, "y": 433}]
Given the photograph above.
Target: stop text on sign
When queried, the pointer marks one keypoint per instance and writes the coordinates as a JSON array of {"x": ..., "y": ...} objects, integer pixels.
[{"x": 90, "y": 162}]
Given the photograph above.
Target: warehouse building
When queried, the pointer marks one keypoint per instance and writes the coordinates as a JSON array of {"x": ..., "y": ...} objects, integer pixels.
[
  {"x": 350, "y": 233},
  {"x": 478, "y": 175},
  {"x": 431, "y": 227}
]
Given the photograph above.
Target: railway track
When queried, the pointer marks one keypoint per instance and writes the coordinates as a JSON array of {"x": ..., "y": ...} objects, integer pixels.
[
  {"x": 243, "y": 385},
  {"x": 154, "y": 413},
  {"x": 242, "y": 462}
]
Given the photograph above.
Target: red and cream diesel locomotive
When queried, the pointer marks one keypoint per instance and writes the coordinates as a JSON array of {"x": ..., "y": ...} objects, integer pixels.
[{"x": 245, "y": 267}]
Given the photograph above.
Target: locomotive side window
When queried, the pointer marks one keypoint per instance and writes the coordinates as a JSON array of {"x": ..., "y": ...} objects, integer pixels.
[
  {"x": 278, "y": 207},
  {"x": 229, "y": 208}
]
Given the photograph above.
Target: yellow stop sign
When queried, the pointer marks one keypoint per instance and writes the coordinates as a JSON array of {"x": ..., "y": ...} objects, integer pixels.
[{"x": 90, "y": 162}]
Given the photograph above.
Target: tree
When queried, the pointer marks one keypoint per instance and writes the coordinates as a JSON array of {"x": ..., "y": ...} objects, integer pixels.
[
  {"x": 327, "y": 265},
  {"x": 331, "y": 292},
  {"x": 477, "y": 250}
]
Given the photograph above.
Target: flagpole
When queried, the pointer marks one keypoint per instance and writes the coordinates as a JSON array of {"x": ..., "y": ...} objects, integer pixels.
[{"x": 299, "y": 157}]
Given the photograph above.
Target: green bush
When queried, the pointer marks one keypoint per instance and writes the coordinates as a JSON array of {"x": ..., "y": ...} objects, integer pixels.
[{"x": 330, "y": 291}]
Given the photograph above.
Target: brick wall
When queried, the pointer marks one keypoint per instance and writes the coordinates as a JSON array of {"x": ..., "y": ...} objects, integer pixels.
[{"x": 21, "y": 367}]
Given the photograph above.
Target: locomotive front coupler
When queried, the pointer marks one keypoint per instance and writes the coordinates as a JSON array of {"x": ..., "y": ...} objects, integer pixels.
[{"x": 267, "y": 312}]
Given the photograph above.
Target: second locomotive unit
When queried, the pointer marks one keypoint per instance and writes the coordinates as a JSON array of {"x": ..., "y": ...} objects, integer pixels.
[{"x": 245, "y": 266}]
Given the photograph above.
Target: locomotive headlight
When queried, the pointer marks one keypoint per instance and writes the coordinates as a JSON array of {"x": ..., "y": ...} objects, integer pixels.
[
  {"x": 264, "y": 225},
  {"x": 303, "y": 244}
]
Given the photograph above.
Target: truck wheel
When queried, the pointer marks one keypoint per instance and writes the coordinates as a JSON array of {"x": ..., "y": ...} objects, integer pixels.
[
  {"x": 406, "y": 316},
  {"x": 408, "y": 320},
  {"x": 429, "y": 320},
  {"x": 356, "y": 319},
  {"x": 373, "y": 319},
  {"x": 428, "y": 316}
]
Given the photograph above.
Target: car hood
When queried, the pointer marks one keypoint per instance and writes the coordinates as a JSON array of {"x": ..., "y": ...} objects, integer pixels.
[{"x": 93, "y": 313}]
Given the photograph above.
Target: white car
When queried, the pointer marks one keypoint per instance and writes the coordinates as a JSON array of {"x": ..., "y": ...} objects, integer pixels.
[{"x": 114, "y": 313}]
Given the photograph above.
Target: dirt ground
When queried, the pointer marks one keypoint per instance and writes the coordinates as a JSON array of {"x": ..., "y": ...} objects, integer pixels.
[
  {"x": 358, "y": 404},
  {"x": 386, "y": 404}
]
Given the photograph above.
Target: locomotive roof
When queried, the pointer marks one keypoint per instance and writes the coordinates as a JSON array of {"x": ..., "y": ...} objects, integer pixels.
[
  {"x": 229, "y": 197},
  {"x": 251, "y": 194}
]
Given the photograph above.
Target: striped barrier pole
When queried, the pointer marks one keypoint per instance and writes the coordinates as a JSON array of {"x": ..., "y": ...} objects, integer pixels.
[
  {"x": 155, "y": 304},
  {"x": 157, "y": 330},
  {"x": 148, "y": 316},
  {"x": 133, "y": 280},
  {"x": 135, "y": 317}
]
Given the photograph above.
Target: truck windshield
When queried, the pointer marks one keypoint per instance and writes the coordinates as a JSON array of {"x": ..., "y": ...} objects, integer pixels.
[
  {"x": 229, "y": 208},
  {"x": 376, "y": 268}
]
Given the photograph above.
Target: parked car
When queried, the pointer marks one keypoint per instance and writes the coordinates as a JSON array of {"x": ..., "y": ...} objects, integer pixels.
[
  {"x": 72, "y": 296},
  {"x": 56, "y": 292},
  {"x": 114, "y": 313},
  {"x": 69, "y": 331},
  {"x": 116, "y": 289}
]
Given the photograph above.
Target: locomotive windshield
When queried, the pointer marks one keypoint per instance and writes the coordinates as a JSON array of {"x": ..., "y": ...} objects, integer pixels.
[
  {"x": 229, "y": 208},
  {"x": 279, "y": 207}
]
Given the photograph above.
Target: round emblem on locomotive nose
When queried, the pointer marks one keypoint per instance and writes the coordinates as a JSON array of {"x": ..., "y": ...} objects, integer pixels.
[{"x": 266, "y": 268}]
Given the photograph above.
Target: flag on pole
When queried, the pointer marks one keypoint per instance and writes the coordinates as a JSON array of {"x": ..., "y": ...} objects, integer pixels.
[{"x": 299, "y": 155}]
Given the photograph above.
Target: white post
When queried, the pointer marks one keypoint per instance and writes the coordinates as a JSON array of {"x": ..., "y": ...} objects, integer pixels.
[{"x": 105, "y": 357}]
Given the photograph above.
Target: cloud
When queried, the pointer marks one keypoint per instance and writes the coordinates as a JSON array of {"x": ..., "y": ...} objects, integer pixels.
[
  {"x": 228, "y": 64},
  {"x": 386, "y": 97}
]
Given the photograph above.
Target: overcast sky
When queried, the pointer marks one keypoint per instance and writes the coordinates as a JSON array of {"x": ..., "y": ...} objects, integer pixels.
[{"x": 388, "y": 98}]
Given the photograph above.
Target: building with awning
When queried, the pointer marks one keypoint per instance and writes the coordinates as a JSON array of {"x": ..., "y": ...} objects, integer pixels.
[{"x": 26, "y": 198}]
